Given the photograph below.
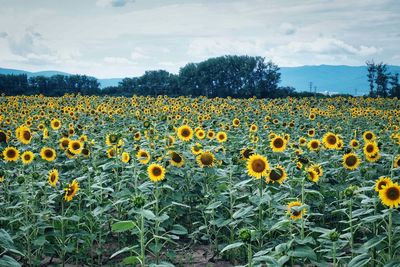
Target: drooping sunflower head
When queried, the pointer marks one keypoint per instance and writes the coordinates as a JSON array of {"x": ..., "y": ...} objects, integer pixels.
[
  {"x": 196, "y": 149},
  {"x": 176, "y": 159},
  {"x": 278, "y": 144},
  {"x": 71, "y": 190},
  {"x": 390, "y": 195},
  {"x": 75, "y": 147},
  {"x": 48, "y": 154},
  {"x": 111, "y": 152},
  {"x": 125, "y": 157},
  {"x": 295, "y": 211},
  {"x": 10, "y": 154},
  {"x": 318, "y": 169},
  {"x": 373, "y": 158},
  {"x": 312, "y": 174},
  {"x": 156, "y": 172},
  {"x": 382, "y": 182},
  {"x": 27, "y": 157},
  {"x": 276, "y": 175},
  {"x": 396, "y": 162},
  {"x": 143, "y": 156},
  {"x": 222, "y": 137},
  {"x": 206, "y": 159},
  {"x": 257, "y": 166},
  {"x": 3, "y": 137},
  {"x": 351, "y": 161},
  {"x": 185, "y": 133},
  {"x": 112, "y": 139},
  {"x": 53, "y": 177},
  {"x": 330, "y": 140},
  {"x": 170, "y": 141},
  {"x": 246, "y": 153},
  {"x": 369, "y": 136}
]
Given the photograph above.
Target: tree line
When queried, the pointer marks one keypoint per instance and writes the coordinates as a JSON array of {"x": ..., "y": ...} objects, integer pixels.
[{"x": 381, "y": 82}]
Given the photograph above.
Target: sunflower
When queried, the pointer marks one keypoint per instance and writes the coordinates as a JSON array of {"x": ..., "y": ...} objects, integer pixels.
[
  {"x": 196, "y": 149},
  {"x": 222, "y": 137},
  {"x": 210, "y": 134},
  {"x": 75, "y": 147},
  {"x": 354, "y": 143},
  {"x": 185, "y": 133},
  {"x": 47, "y": 153},
  {"x": 170, "y": 141},
  {"x": 86, "y": 152},
  {"x": 3, "y": 137},
  {"x": 176, "y": 159},
  {"x": 200, "y": 134},
  {"x": 27, "y": 157},
  {"x": 236, "y": 122},
  {"x": 369, "y": 136},
  {"x": 257, "y": 166},
  {"x": 370, "y": 148},
  {"x": 137, "y": 136},
  {"x": 205, "y": 159},
  {"x": 55, "y": 124},
  {"x": 53, "y": 177},
  {"x": 312, "y": 174},
  {"x": 318, "y": 169},
  {"x": 278, "y": 144},
  {"x": 71, "y": 190},
  {"x": 11, "y": 154},
  {"x": 125, "y": 157},
  {"x": 246, "y": 153},
  {"x": 302, "y": 141},
  {"x": 390, "y": 195},
  {"x": 382, "y": 182},
  {"x": 299, "y": 165},
  {"x": 293, "y": 210},
  {"x": 156, "y": 172},
  {"x": 351, "y": 161},
  {"x": 330, "y": 140},
  {"x": 112, "y": 139},
  {"x": 311, "y": 132},
  {"x": 253, "y": 128},
  {"x": 111, "y": 152},
  {"x": 313, "y": 145},
  {"x": 64, "y": 142},
  {"x": 373, "y": 158},
  {"x": 24, "y": 135},
  {"x": 143, "y": 156},
  {"x": 396, "y": 162},
  {"x": 276, "y": 175}
]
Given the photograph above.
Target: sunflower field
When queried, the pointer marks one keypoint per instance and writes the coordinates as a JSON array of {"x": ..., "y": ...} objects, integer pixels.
[{"x": 144, "y": 181}]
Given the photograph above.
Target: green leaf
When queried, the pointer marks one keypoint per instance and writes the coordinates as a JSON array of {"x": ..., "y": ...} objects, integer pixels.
[
  {"x": 131, "y": 260},
  {"x": 232, "y": 246},
  {"x": 373, "y": 242},
  {"x": 123, "y": 250},
  {"x": 148, "y": 214},
  {"x": 241, "y": 212},
  {"x": 179, "y": 230},
  {"x": 360, "y": 260},
  {"x": 5, "y": 239},
  {"x": 303, "y": 252},
  {"x": 123, "y": 226},
  {"x": 7, "y": 261}
]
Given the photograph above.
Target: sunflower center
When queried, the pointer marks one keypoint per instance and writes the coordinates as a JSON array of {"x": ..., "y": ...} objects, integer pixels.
[
  {"x": 258, "y": 165},
  {"x": 52, "y": 177},
  {"x": 351, "y": 160},
  {"x": 393, "y": 193},
  {"x": 331, "y": 139},
  {"x": 48, "y": 153},
  {"x": 296, "y": 212},
  {"x": 185, "y": 133},
  {"x": 27, "y": 135},
  {"x": 381, "y": 185},
  {"x": 278, "y": 143},
  {"x": 368, "y": 136},
  {"x": 314, "y": 145},
  {"x": 275, "y": 175},
  {"x": 11, "y": 153},
  {"x": 370, "y": 148},
  {"x": 27, "y": 157},
  {"x": 247, "y": 153},
  {"x": 56, "y": 124},
  {"x": 3, "y": 137},
  {"x": 157, "y": 171},
  {"x": 76, "y": 146},
  {"x": 176, "y": 158},
  {"x": 206, "y": 159}
]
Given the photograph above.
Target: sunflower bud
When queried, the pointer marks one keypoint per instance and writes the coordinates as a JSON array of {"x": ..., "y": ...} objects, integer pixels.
[
  {"x": 245, "y": 235},
  {"x": 138, "y": 201},
  {"x": 334, "y": 236},
  {"x": 350, "y": 191}
]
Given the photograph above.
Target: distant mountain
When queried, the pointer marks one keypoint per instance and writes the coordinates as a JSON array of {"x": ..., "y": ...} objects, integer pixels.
[
  {"x": 324, "y": 78},
  {"x": 328, "y": 78}
]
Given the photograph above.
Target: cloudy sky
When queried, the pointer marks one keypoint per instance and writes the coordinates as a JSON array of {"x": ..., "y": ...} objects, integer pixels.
[{"x": 117, "y": 38}]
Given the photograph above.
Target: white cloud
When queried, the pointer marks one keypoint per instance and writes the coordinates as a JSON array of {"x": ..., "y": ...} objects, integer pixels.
[
  {"x": 113, "y": 3},
  {"x": 138, "y": 53},
  {"x": 118, "y": 60}
]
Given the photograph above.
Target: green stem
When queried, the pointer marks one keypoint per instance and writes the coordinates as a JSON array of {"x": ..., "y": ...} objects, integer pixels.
[
  {"x": 142, "y": 245},
  {"x": 351, "y": 226},
  {"x": 157, "y": 225},
  {"x": 260, "y": 211},
  {"x": 334, "y": 254},
  {"x": 249, "y": 256},
  {"x": 390, "y": 232},
  {"x": 302, "y": 203},
  {"x": 62, "y": 233}
]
